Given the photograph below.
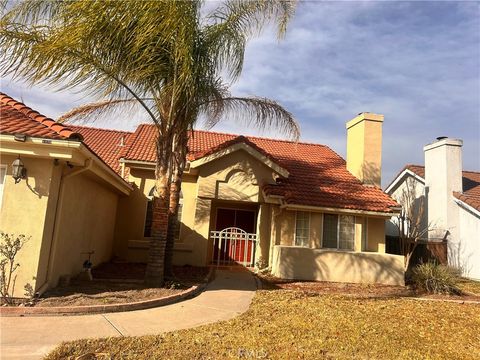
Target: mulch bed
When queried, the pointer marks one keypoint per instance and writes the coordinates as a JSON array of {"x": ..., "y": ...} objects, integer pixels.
[
  {"x": 118, "y": 283},
  {"x": 357, "y": 290}
]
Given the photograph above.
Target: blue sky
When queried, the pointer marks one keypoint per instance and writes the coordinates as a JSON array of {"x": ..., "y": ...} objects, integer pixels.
[{"x": 418, "y": 63}]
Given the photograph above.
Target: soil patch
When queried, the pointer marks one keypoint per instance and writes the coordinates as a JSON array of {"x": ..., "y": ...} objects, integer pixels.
[
  {"x": 119, "y": 283},
  {"x": 100, "y": 292},
  {"x": 270, "y": 282}
]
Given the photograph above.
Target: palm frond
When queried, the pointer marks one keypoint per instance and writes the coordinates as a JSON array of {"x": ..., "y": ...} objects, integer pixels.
[
  {"x": 92, "y": 111},
  {"x": 231, "y": 25},
  {"x": 262, "y": 113}
]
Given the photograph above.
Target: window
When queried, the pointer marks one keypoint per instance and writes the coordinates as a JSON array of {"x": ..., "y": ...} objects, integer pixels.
[
  {"x": 302, "y": 228},
  {"x": 338, "y": 231},
  {"x": 330, "y": 231},
  {"x": 3, "y": 172}
]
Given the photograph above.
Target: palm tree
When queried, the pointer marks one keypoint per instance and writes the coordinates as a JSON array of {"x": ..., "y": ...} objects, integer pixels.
[{"x": 174, "y": 59}]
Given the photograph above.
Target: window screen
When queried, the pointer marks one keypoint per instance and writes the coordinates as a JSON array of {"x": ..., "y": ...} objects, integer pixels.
[
  {"x": 346, "y": 236},
  {"x": 302, "y": 228},
  {"x": 330, "y": 231}
]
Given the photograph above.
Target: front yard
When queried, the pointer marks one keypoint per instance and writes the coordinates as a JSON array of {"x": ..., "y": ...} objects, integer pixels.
[{"x": 303, "y": 324}]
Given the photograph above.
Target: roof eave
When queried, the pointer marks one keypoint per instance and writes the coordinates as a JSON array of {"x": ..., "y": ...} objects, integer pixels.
[
  {"x": 394, "y": 211},
  {"x": 393, "y": 185},
  {"x": 74, "y": 152}
]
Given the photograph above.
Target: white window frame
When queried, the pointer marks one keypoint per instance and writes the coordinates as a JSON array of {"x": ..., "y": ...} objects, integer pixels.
[
  {"x": 338, "y": 232},
  {"x": 308, "y": 230},
  {"x": 2, "y": 189}
]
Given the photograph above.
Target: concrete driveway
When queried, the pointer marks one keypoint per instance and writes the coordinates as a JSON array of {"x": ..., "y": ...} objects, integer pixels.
[{"x": 227, "y": 296}]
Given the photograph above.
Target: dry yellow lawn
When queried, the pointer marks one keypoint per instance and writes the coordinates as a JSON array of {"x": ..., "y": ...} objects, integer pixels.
[
  {"x": 283, "y": 324},
  {"x": 470, "y": 286}
]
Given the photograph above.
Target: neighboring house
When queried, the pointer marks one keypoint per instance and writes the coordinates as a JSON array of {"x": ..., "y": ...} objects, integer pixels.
[
  {"x": 292, "y": 206},
  {"x": 452, "y": 202}
]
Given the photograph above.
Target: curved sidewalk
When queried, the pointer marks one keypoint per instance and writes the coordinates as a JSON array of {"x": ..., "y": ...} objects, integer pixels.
[{"x": 227, "y": 296}]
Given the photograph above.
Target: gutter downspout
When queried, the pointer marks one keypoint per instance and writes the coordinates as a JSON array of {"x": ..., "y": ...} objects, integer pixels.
[{"x": 58, "y": 212}]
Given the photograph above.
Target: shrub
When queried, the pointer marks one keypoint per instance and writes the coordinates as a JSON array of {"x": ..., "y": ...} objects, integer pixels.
[
  {"x": 436, "y": 278},
  {"x": 10, "y": 245}
]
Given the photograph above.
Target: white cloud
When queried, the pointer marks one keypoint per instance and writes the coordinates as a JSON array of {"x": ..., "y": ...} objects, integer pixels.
[{"x": 417, "y": 63}]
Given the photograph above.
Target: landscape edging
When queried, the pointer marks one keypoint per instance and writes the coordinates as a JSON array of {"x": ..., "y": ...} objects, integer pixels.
[{"x": 98, "y": 309}]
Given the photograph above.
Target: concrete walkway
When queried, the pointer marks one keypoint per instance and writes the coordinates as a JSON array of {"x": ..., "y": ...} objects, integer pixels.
[{"x": 227, "y": 296}]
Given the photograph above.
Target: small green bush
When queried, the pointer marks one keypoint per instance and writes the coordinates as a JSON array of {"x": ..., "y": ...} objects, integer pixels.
[{"x": 436, "y": 278}]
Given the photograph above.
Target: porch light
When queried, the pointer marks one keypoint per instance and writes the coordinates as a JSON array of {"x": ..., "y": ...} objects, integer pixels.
[{"x": 19, "y": 171}]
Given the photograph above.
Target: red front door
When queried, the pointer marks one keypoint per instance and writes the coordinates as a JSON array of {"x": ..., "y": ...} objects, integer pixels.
[{"x": 235, "y": 249}]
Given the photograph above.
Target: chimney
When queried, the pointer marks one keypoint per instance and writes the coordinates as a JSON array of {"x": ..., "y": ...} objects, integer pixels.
[
  {"x": 364, "y": 147},
  {"x": 443, "y": 176}
]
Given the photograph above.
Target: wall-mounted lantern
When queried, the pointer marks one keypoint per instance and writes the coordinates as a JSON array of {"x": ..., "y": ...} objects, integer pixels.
[{"x": 19, "y": 171}]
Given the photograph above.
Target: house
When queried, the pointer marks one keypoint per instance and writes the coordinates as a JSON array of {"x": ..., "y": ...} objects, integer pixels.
[
  {"x": 65, "y": 199},
  {"x": 296, "y": 207},
  {"x": 451, "y": 199}
]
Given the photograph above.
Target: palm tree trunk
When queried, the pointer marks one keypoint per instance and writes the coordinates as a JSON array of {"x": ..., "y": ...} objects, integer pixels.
[
  {"x": 154, "y": 275},
  {"x": 175, "y": 190}
]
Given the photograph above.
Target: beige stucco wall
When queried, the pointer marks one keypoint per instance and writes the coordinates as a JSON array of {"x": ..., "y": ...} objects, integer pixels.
[
  {"x": 234, "y": 177},
  {"x": 376, "y": 234},
  {"x": 85, "y": 222},
  {"x": 24, "y": 210},
  {"x": 130, "y": 243},
  {"x": 233, "y": 180},
  {"x": 339, "y": 266}
]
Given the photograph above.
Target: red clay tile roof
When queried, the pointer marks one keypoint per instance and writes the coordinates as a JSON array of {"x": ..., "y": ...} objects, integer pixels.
[
  {"x": 109, "y": 145},
  {"x": 142, "y": 147},
  {"x": 17, "y": 118},
  {"x": 470, "y": 184},
  {"x": 318, "y": 176}
]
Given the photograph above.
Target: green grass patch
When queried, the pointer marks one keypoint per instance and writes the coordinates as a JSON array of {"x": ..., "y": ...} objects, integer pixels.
[{"x": 285, "y": 324}]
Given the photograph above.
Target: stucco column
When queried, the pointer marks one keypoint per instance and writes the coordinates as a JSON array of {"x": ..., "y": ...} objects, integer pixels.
[
  {"x": 201, "y": 244},
  {"x": 263, "y": 233},
  {"x": 359, "y": 224},
  {"x": 274, "y": 212}
]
